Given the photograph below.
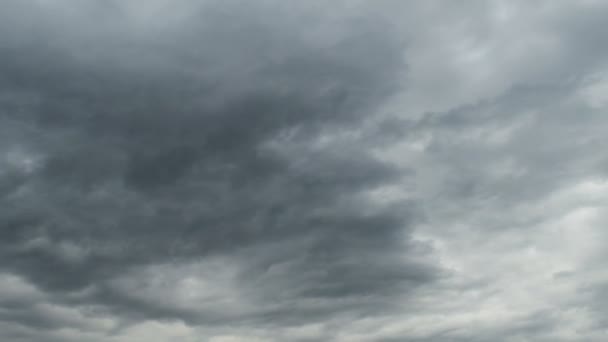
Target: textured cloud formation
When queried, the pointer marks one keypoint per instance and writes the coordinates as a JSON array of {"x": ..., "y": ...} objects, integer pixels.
[{"x": 310, "y": 171}]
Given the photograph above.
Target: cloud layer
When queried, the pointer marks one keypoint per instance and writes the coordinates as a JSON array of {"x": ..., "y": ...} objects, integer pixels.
[{"x": 353, "y": 171}]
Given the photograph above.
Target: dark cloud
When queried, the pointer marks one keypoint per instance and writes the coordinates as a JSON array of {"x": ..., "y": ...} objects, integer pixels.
[
  {"x": 272, "y": 171},
  {"x": 212, "y": 138}
]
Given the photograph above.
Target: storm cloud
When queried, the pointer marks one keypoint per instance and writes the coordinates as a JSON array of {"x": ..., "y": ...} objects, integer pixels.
[{"x": 302, "y": 171}]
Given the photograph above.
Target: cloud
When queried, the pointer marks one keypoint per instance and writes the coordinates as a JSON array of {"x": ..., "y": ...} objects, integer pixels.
[
  {"x": 199, "y": 173},
  {"x": 353, "y": 171}
]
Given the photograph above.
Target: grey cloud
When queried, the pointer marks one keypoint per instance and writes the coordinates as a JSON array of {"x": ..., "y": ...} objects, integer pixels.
[
  {"x": 269, "y": 171},
  {"x": 201, "y": 142}
]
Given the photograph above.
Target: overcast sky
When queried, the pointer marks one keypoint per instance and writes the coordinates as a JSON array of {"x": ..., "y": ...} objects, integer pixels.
[{"x": 277, "y": 170}]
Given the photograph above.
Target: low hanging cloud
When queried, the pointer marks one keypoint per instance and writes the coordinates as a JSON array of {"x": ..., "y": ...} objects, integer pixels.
[
  {"x": 210, "y": 183},
  {"x": 272, "y": 171}
]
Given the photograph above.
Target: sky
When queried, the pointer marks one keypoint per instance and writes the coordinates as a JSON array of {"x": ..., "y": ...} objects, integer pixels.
[{"x": 278, "y": 170}]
